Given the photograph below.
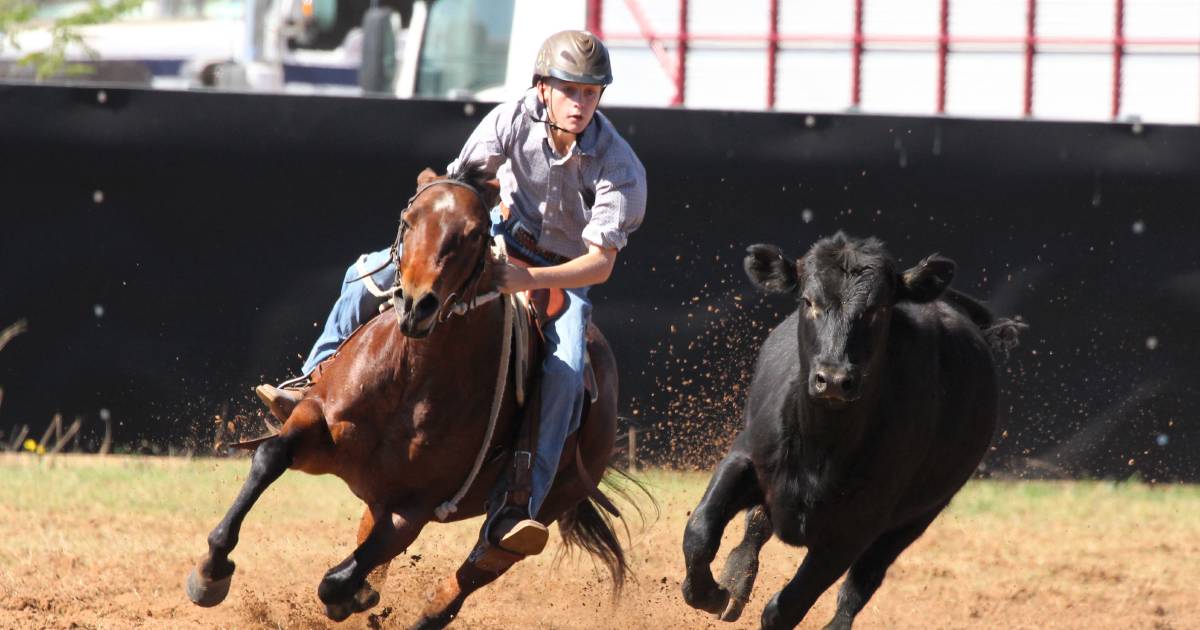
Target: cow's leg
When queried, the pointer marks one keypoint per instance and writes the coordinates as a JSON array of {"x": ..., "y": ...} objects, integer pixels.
[
  {"x": 208, "y": 583},
  {"x": 344, "y": 589},
  {"x": 733, "y": 488},
  {"x": 821, "y": 568},
  {"x": 866, "y": 574},
  {"x": 741, "y": 567}
]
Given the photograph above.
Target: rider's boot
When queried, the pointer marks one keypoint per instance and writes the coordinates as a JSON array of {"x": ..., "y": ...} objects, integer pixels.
[
  {"x": 281, "y": 401},
  {"x": 512, "y": 530}
]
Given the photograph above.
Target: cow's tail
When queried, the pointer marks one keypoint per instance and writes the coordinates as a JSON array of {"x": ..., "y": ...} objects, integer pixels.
[
  {"x": 1002, "y": 333},
  {"x": 591, "y": 529}
]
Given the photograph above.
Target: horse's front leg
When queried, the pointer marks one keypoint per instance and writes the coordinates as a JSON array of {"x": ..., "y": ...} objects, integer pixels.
[
  {"x": 344, "y": 589},
  {"x": 733, "y": 487},
  {"x": 208, "y": 583}
]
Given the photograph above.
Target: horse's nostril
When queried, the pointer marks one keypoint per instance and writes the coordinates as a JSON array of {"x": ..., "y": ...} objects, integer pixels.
[
  {"x": 426, "y": 306},
  {"x": 819, "y": 381}
]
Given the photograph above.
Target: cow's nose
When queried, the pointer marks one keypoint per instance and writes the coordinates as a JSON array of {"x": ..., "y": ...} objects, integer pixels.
[{"x": 833, "y": 383}]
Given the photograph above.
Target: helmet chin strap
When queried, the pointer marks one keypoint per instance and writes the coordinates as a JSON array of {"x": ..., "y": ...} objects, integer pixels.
[{"x": 549, "y": 119}]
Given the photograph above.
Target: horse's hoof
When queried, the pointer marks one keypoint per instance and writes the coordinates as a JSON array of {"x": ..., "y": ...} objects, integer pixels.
[
  {"x": 712, "y": 599},
  {"x": 432, "y": 623},
  {"x": 365, "y": 599},
  {"x": 734, "y": 611},
  {"x": 339, "y": 611},
  {"x": 205, "y": 592}
]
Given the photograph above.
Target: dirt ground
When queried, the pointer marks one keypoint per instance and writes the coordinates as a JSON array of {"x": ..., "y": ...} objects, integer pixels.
[{"x": 90, "y": 544}]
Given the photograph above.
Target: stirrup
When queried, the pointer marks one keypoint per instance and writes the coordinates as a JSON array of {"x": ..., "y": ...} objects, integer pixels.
[
  {"x": 278, "y": 400},
  {"x": 527, "y": 537}
]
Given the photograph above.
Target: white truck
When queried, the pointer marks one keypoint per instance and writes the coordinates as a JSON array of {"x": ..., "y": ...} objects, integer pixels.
[{"x": 1063, "y": 59}]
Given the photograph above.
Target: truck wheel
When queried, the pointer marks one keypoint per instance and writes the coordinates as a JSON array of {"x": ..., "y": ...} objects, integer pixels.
[{"x": 378, "y": 68}]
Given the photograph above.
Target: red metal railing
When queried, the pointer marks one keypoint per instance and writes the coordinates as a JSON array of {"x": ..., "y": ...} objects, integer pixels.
[{"x": 859, "y": 42}]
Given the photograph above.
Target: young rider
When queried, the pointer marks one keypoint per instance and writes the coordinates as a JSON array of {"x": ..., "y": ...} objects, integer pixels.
[{"x": 572, "y": 191}]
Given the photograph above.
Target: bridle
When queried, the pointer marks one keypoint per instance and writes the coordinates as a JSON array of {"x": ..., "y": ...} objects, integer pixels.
[{"x": 467, "y": 297}]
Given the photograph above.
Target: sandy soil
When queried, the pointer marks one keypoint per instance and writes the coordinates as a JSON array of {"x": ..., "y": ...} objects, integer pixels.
[{"x": 1066, "y": 558}]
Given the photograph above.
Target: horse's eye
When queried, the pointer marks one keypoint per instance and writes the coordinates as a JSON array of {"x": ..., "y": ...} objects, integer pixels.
[{"x": 807, "y": 302}]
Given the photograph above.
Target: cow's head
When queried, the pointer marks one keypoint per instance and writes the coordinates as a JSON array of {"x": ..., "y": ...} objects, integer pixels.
[{"x": 846, "y": 288}]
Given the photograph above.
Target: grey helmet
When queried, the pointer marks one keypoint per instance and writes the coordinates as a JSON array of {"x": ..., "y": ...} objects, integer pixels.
[{"x": 576, "y": 56}]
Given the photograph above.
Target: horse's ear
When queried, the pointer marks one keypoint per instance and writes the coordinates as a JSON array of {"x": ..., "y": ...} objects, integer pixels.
[
  {"x": 926, "y": 280},
  {"x": 491, "y": 193},
  {"x": 770, "y": 270},
  {"x": 426, "y": 176}
]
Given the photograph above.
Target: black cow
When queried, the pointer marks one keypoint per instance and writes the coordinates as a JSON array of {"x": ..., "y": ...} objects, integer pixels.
[{"x": 870, "y": 406}]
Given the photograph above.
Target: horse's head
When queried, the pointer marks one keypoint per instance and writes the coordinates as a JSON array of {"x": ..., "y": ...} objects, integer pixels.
[{"x": 444, "y": 232}]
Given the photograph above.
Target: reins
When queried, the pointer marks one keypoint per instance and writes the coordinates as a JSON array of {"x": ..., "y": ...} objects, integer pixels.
[
  {"x": 443, "y": 511},
  {"x": 457, "y": 303},
  {"x": 460, "y": 303}
]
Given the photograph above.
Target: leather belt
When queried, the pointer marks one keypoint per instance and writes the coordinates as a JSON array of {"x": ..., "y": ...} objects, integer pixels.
[{"x": 526, "y": 240}]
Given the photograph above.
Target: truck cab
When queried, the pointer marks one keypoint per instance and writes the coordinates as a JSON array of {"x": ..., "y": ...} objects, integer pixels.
[{"x": 456, "y": 49}]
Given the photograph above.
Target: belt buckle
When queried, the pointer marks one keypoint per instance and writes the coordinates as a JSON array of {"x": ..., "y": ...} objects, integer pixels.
[{"x": 520, "y": 231}]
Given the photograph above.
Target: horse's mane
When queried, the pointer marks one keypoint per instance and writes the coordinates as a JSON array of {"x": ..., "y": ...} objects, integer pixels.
[{"x": 472, "y": 175}]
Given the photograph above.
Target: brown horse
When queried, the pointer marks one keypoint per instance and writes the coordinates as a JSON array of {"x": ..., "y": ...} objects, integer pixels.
[{"x": 401, "y": 411}]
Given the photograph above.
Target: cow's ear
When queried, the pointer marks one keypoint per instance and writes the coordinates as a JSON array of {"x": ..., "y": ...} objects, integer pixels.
[
  {"x": 426, "y": 176},
  {"x": 926, "y": 281},
  {"x": 770, "y": 270}
]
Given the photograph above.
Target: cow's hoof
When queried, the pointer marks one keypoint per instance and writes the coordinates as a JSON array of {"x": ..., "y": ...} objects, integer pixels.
[
  {"x": 734, "y": 611},
  {"x": 711, "y": 598},
  {"x": 207, "y": 592},
  {"x": 772, "y": 619}
]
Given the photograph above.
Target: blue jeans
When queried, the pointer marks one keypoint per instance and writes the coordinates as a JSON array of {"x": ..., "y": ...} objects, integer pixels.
[{"x": 562, "y": 370}]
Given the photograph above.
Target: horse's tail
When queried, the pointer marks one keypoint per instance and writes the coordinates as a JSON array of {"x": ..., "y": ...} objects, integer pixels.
[{"x": 591, "y": 529}]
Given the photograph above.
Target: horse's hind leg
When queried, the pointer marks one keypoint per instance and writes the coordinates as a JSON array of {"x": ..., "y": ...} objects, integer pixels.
[
  {"x": 741, "y": 567},
  {"x": 455, "y": 589},
  {"x": 732, "y": 489},
  {"x": 344, "y": 589},
  {"x": 208, "y": 584},
  {"x": 485, "y": 564}
]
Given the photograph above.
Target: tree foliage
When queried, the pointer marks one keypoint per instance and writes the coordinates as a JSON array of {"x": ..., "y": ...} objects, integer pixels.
[{"x": 17, "y": 16}]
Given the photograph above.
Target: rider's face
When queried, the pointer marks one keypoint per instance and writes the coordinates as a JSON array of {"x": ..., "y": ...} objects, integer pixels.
[{"x": 572, "y": 105}]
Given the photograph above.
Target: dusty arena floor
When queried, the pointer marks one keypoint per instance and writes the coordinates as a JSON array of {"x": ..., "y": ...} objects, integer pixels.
[{"x": 106, "y": 543}]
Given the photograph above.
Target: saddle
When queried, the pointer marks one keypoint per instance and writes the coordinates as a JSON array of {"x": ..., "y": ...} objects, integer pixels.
[{"x": 535, "y": 311}]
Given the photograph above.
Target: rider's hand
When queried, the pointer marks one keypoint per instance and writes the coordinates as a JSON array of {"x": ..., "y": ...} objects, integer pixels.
[{"x": 513, "y": 279}]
